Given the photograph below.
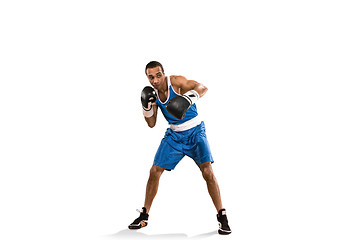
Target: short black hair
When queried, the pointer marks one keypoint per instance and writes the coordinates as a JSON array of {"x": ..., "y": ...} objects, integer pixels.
[{"x": 153, "y": 64}]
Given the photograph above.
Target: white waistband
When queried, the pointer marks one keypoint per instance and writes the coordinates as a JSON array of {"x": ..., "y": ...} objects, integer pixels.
[{"x": 186, "y": 125}]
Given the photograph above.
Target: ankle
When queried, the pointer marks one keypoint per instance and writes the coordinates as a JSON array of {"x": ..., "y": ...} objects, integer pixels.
[{"x": 145, "y": 210}]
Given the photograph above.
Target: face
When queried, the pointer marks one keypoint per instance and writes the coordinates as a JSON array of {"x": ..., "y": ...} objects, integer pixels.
[{"x": 156, "y": 76}]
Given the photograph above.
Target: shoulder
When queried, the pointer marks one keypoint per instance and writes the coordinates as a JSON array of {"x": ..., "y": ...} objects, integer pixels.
[
  {"x": 177, "y": 80},
  {"x": 177, "y": 83}
]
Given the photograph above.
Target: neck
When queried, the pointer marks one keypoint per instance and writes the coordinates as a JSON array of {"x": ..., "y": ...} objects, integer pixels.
[{"x": 164, "y": 87}]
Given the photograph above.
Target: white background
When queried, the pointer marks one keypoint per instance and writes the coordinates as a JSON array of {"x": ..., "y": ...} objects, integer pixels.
[{"x": 282, "y": 117}]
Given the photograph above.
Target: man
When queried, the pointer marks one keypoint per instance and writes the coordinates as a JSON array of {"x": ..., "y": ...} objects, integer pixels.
[{"x": 176, "y": 97}]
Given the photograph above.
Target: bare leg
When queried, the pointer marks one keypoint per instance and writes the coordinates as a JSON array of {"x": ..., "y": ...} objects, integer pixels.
[
  {"x": 152, "y": 185},
  {"x": 212, "y": 184}
]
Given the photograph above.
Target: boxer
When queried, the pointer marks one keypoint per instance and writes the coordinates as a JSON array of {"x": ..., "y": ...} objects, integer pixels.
[{"x": 176, "y": 97}]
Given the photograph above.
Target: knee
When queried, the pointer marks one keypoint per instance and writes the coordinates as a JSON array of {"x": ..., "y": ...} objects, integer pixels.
[
  {"x": 155, "y": 173},
  {"x": 208, "y": 175}
]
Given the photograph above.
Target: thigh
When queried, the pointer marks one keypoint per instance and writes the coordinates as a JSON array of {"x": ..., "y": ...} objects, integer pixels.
[
  {"x": 167, "y": 156},
  {"x": 199, "y": 149}
]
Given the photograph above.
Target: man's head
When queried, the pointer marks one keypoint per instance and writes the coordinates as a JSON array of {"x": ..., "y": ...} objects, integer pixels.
[{"x": 155, "y": 73}]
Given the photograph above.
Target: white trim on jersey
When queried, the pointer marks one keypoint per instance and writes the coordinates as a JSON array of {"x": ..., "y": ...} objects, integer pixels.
[{"x": 157, "y": 93}]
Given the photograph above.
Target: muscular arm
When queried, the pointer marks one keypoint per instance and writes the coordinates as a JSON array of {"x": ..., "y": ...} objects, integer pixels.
[
  {"x": 182, "y": 85},
  {"x": 151, "y": 121}
]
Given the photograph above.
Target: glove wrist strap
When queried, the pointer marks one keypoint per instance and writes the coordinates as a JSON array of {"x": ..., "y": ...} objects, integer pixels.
[
  {"x": 192, "y": 96},
  {"x": 148, "y": 112}
]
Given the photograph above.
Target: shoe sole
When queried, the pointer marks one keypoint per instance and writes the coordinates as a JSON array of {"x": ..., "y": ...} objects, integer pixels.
[
  {"x": 138, "y": 226},
  {"x": 223, "y": 232}
]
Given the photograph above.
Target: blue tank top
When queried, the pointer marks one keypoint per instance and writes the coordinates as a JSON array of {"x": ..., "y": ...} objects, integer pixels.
[{"x": 190, "y": 114}]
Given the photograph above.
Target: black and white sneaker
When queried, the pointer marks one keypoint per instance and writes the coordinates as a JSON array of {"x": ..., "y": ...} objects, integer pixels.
[
  {"x": 141, "y": 221},
  {"x": 224, "y": 228}
]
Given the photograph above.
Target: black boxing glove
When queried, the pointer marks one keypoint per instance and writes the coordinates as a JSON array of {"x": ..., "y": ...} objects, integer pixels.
[
  {"x": 148, "y": 96},
  {"x": 179, "y": 105}
]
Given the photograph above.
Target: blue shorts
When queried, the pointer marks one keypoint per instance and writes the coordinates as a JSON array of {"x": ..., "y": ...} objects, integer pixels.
[{"x": 175, "y": 145}]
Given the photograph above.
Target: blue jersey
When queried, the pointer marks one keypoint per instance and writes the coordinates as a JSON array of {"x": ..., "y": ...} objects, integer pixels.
[{"x": 190, "y": 114}]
